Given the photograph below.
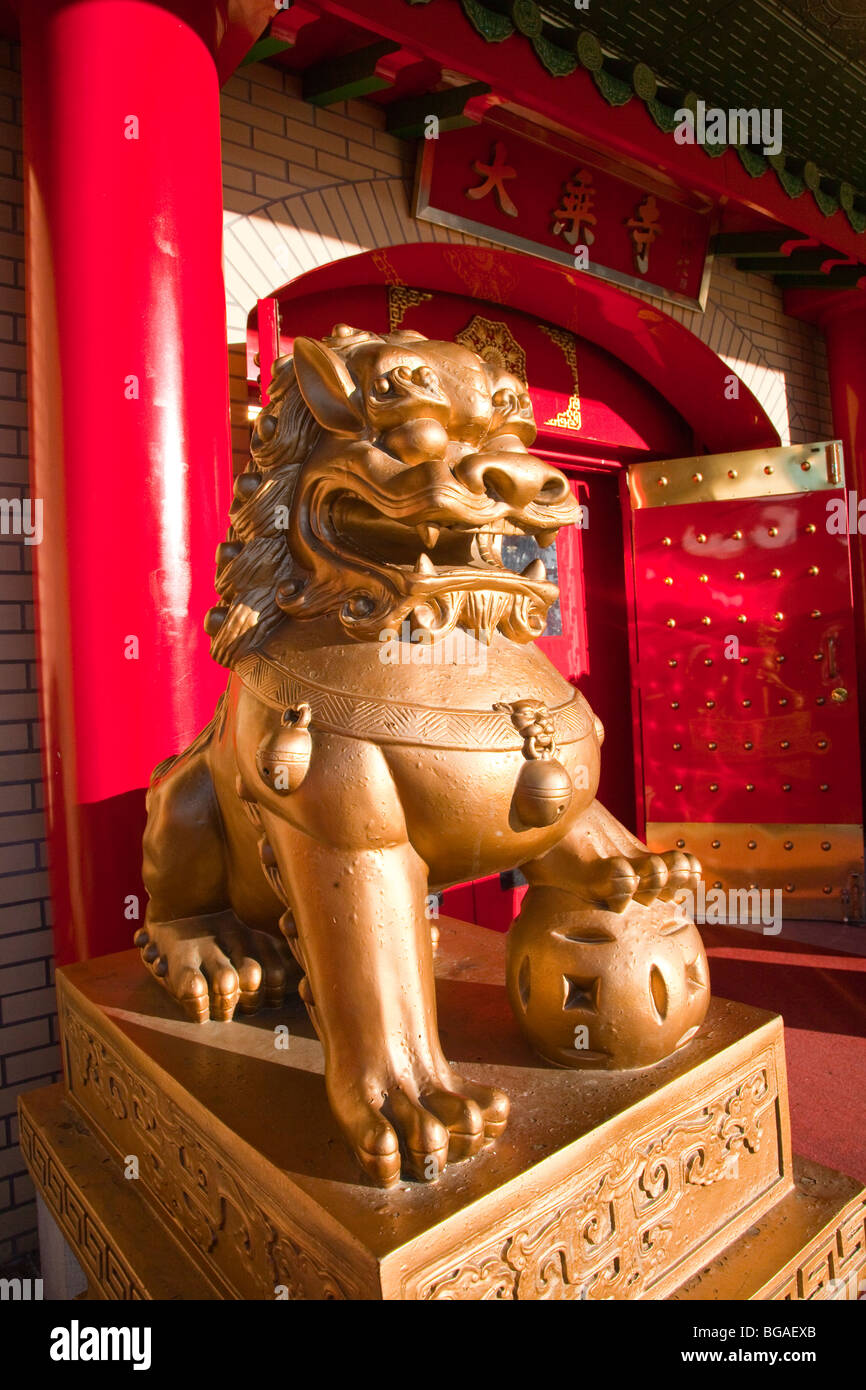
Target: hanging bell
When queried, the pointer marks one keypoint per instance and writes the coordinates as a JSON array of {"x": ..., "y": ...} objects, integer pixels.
[
  {"x": 283, "y": 757},
  {"x": 543, "y": 792}
]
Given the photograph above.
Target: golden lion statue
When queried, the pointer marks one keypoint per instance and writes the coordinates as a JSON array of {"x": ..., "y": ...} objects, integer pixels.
[{"x": 297, "y": 841}]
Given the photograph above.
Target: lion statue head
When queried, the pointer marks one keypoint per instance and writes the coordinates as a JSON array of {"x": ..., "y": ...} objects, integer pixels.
[{"x": 384, "y": 474}]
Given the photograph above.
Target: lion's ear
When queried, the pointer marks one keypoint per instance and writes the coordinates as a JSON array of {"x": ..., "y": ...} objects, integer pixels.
[{"x": 327, "y": 387}]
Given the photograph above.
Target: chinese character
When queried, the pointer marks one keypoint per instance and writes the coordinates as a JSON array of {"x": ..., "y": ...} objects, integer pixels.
[
  {"x": 575, "y": 207},
  {"x": 644, "y": 228},
  {"x": 684, "y": 260},
  {"x": 494, "y": 175}
]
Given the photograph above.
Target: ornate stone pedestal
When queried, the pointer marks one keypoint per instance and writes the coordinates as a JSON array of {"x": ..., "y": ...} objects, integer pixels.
[{"x": 674, "y": 1182}]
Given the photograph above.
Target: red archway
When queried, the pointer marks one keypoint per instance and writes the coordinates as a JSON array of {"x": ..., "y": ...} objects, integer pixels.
[
  {"x": 648, "y": 388},
  {"x": 666, "y": 355}
]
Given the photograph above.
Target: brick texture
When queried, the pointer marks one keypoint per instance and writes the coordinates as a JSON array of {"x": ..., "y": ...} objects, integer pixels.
[
  {"x": 303, "y": 187},
  {"x": 28, "y": 1039}
]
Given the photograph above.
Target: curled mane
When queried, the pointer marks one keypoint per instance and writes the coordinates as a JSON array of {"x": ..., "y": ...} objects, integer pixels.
[{"x": 254, "y": 563}]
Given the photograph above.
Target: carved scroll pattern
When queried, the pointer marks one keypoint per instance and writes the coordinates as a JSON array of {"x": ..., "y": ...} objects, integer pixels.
[
  {"x": 401, "y": 298},
  {"x": 196, "y": 1190},
  {"x": 614, "y": 1229}
]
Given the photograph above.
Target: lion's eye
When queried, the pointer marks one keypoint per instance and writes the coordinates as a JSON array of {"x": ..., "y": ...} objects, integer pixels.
[
  {"x": 525, "y": 402},
  {"x": 423, "y": 376},
  {"x": 381, "y": 386}
]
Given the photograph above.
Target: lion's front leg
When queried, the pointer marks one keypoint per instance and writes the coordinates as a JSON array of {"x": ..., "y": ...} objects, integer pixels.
[{"x": 364, "y": 943}]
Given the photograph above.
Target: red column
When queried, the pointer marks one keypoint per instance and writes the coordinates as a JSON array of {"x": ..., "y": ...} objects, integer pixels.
[
  {"x": 128, "y": 387},
  {"x": 842, "y": 315}
]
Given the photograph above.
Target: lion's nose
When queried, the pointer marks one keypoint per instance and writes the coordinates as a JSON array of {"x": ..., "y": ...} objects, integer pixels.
[{"x": 517, "y": 479}]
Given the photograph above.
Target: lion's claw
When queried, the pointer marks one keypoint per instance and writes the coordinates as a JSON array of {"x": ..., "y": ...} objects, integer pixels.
[
  {"x": 614, "y": 883},
  {"x": 415, "y": 1129},
  {"x": 210, "y": 965}
]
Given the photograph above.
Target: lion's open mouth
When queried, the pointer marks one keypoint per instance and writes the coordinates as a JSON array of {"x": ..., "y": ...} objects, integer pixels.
[
  {"x": 425, "y": 543},
  {"x": 428, "y": 547}
]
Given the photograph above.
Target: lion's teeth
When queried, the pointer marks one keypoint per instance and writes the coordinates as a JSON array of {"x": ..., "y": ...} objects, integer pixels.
[
  {"x": 489, "y": 547},
  {"x": 424, "y": 565},
  {"x": 546, "y": 538},
  {"x": 535, "y": 571},
  {"x": 429, "y": 534}
]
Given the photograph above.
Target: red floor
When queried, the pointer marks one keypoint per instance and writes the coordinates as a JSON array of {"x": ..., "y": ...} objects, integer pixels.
[{"x": 821, "y": 995}]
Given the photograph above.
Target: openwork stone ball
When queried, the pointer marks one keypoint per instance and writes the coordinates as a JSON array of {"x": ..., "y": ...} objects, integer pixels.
[{"x": 598, "y": 989}]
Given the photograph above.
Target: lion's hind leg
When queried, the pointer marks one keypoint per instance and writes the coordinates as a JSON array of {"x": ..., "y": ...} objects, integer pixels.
[{"x": 192, "y": 940}]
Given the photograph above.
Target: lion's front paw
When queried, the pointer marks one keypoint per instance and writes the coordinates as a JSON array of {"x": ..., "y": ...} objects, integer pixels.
[
  {"x": 211, "y": 964},
  {"x": 614, "y": 883},
  {"x": 415, "y": 1125}
]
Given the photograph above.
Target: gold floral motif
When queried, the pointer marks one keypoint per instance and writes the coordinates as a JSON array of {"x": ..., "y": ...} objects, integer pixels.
[
  {"x": 382, "y": 262},
  {"x": 495, "y": 342},
  {"x": 483, "y": 272},
  {"x": 568, "y": 419}
]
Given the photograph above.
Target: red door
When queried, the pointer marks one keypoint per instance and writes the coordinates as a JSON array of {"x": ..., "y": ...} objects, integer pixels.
[{"x": 749, "y": 719}]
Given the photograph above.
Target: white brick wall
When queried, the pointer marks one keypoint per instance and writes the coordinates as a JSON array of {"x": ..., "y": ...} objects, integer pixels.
[
  {"x": 303, "y": 187},
  {"x": 29, "y": 1054},
  {"x": 781, "y": 360}
]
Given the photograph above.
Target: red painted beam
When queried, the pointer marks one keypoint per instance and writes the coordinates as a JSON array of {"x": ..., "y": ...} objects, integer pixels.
[
  {"x": 286, "y": 24},
  {"x": 239, "y": 23},
  {"x": 442, "y": 31}
]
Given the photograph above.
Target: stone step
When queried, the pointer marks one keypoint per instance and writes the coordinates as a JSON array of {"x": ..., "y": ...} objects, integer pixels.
[
  {"x": 810, "y": 1245},
  {"x": 125, "y": 1253}
]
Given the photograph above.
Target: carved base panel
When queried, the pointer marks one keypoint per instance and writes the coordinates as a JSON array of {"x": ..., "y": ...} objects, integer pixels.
[
  {"x": 126, "y": 1254},
  {"x": 614, "y": 1185},
  {"x": 811, "y": 1245}
]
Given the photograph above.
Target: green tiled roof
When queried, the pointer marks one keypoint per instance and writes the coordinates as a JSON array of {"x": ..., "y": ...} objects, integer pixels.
[{"x": 804, "y": 57}]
